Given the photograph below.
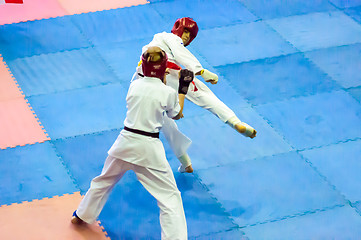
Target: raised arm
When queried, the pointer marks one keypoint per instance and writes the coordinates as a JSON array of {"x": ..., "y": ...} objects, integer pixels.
[{"x": 185, "y": 78}]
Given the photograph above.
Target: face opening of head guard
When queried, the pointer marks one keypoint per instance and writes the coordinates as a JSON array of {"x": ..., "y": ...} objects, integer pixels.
[
  {"x": 185, "y": 23},
  {"x": 154, "y": 63}
]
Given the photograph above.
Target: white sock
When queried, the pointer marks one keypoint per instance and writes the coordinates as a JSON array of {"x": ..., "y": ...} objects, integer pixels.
[{"x": 185, "y": 162}]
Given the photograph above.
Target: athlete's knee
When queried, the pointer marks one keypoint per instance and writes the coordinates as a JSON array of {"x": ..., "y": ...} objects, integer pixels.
[
  {"x": 171, "y": 202},
  {"x": 98, "y": 183}
]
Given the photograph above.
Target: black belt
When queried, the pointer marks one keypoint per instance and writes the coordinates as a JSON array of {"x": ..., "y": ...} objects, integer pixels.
[{"x": 154, "y": 135}]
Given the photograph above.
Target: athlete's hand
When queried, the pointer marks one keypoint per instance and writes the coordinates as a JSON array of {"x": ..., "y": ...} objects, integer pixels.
[{"x": 212, "y": 81}]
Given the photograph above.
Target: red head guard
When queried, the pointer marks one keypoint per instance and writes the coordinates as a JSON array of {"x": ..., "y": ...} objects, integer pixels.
[
  {"x": 154, "y": 68},
  {"x": 185, "y": 23}
]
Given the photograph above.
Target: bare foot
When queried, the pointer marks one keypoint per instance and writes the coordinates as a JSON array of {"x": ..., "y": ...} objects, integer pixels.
[
  {"x": 189, "y": 169},
  {"x": 77, "y": 221}
]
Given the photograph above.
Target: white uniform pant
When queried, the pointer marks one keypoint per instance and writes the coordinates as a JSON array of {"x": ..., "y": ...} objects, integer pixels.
[
  {"x": 160, "y": 184},
  {"x": 201, "y": 95}
]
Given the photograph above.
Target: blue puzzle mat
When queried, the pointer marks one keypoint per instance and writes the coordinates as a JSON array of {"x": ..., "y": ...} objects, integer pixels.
[
  {"x": 81, "y": 111},
  {"x": 61, "y": 71},
  {"x": 318, "y": 225},
  {"x": 277, "y": 9},
  {"x": 356, "y": 93},
  {"x": 346, "y": 4},
  {"x": 309, "y": 32},
  {"x": 239, "y": 43},
  {"x": 118, "y": 25},
  {"x": 269, "y": 189},
  {"x": 91, "y": 152},
  {"x": 341, "y": 63},
  {"x": 40, "y": 37},
  {"x": 32, "y": 172},
  {"x": 122, "y": 58},
  {"x": 226, "y": 12},
  {"x": 287, "y": 76},
  {"x": 340, "y": 165},
  {"x": 355, "y": 13},
  {"x": 316, "y": 119}
]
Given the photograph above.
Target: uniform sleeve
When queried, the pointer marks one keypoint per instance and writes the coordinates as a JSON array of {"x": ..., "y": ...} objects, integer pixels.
[
  {"x": 181, "y": 54},
  {"x": 173, "y": 106}
]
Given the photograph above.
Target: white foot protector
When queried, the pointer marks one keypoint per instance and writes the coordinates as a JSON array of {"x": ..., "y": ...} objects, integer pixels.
[{"x": 233, "y": 121}]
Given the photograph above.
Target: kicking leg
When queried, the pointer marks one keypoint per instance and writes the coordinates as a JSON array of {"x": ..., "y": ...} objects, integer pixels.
[{"x": 202, "y": 96}]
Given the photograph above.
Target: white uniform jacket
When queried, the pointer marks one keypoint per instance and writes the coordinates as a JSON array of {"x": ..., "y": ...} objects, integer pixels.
[
  {"x": 177, "y": 53},
  {"x": 148, "y": 100}
]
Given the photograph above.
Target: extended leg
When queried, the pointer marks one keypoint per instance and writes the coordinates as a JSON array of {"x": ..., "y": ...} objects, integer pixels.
[
  {"x": 202, "y": 96},
  {"x": 162, "y": 186},
  {"x": 100, "y": 188}
]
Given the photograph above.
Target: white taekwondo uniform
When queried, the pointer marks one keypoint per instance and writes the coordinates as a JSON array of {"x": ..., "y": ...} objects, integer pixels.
[
  {"x": 148, "y": 101},
  {"x": 198, "y": 92}
]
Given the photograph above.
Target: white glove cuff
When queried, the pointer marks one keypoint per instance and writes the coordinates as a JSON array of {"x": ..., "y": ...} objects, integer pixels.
[{"x": 207, "y": 75}]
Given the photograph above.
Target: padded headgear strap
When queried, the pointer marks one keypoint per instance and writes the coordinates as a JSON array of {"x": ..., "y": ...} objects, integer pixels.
[
  {"x": 185, "y": 23},
  {"x": 154, "y": 62}
]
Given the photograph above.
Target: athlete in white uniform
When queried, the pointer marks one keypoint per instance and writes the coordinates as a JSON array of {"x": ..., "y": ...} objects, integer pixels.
[
  {"x": 138, "y": 147},
  {"x": 174, "y": 44}
]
